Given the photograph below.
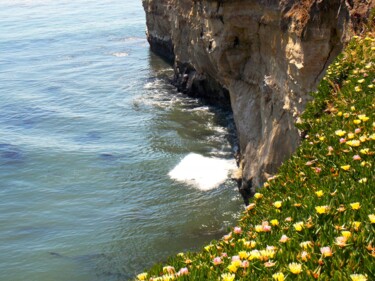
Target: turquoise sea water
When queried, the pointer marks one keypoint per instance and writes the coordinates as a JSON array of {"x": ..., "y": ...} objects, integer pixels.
[{"x": 89, "y": 130}]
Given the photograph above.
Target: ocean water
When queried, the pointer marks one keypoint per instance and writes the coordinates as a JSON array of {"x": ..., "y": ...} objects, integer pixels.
[{"x": 104, "y": 167}]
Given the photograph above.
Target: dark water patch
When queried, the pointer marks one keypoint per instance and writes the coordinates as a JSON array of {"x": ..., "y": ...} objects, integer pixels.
[
  {"x": 90, "y": 137},
  {"x": 10, "y": 153}
]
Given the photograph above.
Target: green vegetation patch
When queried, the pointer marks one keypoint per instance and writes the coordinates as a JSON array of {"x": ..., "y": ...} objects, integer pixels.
[{"x": 315, "y": 220}]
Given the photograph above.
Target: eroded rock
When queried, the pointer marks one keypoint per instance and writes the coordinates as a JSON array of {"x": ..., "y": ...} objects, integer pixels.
[{"x": 267, "y": 55}]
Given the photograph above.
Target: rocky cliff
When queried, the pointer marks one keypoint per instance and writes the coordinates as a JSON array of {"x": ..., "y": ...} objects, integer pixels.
[{"x": 264, "y": 56}]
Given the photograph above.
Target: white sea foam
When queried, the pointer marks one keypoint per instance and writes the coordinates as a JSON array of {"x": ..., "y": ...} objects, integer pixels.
[
  {"x": 120, "y": 54},
  {"x": 202, "y": 172}
]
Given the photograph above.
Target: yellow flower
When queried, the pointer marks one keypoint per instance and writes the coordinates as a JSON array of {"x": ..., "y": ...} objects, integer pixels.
[
  {"x": 363, "y": 180},
  {"x": 357, "y": 121},
  {"x": 357, "y": 89},
  {"x": 364, "y": 151},
  {"x": 233, "y": 268},
  {"x": 208, "y": 247},
  {"x": 250, "y": 244},
  {"x": 346, "y": 115},
  {"x": 360, "y": 81},
  {"x": 259, "y": 228},
  {"x": 227, "y": 277},
  {"x": 254, "y": 254},
  {"x": 363, "y": 138},
  {"x": 322, "y": 209},
  {"x": 279, "y": 276},
  {"x": 363, "y": 117},
  {"x": 340, "y": 133},
  {"x": 339, "y": 113},
  {"x": 350, "y": 135},
  {"x": 319, "y": 193},
  {"x": 372, "y": 137},
  {"x": 142, "y": 276},
  {"x": 277, "y": 204},
  {"x": 356, "y": 225},
  {"x": 274, "y": 222},
  {"x": 168, "y": 277},
  {"x": 358, "y": 277},
  {"x": 352, "y": 108},
  {"x": 345, "y": 167},
  {"x": 305, "y": 245},
  {"x": 346, "y": 234},
  {"x": 372, "y": 218},
  {"x": 353, "y": 143},
  {"x": 355, "y": 206},
  {"x": 298, "y": 226},
  {"x": 295, "y": 268},
  {"x": 258, "y": 195},
  {"x": 243, "y": 255}
]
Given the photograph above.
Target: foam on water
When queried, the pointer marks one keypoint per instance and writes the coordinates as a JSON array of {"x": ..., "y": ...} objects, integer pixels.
[{"x": 202, "y": 172}]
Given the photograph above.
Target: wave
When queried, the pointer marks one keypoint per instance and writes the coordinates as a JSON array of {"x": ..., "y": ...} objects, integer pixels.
[{"x": 204, "y": 173}]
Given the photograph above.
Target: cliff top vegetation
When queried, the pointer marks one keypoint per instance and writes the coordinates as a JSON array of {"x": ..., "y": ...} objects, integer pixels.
[{"x": 315, "y": 220}]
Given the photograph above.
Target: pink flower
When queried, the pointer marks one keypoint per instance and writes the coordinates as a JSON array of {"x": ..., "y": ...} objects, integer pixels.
[
  {"x": 330, "y": 148},
  {"x": 356, "y": 157},
  {"x": 342, "y": 140},
  {"x": 224, "y": 255},
  {"x": 245, "y": 264},
  {"x": 217, "y": 261},
  {"x": 358, "y": 130},
  {"x": 266, "y": 227},
  {"x": 236, "y": 258},
  {"x": 284, "y": 239},
  {"x": 237, "y": 230},
  {"x": 326, "y": 251},
  {"x": 317, "y": 170},
  {"x": 183, "y": 271}
]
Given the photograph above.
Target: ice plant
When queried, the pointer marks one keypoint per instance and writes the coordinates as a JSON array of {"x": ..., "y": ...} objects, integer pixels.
[
  {"x": 243, "y": 255},
  {"x": 142, "y": 276},
  {"x": 353, "y": 143},
  {"x": 183, "y": 271},
  {"x": 326, "y": 251},
  {"x": 340, "y": 241},
  {"x": 277, "y": 204},
  {"x": 295, "y": 268},
  {"x": 340, "y": 133},
  {"x": 227, "y": 277},
  {"x": 279, "y": 276},
  {"x": 319, "y": 193},
  {"x": 358, "y": 277},
  {"x": 298, "y": 226},
  {"x": 371, "y": 218},
  {"x": 355, "y": 206},
  {"x": 322, "y": 209},
  {"x": 306, "y": 245},
  {"x": 258, "y": 195},
  {"x": 217, "y": 261},
  {"x": 237, "y": 230}
]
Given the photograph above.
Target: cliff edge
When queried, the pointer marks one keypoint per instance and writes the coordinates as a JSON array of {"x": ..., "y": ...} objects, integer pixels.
[{"x": 264, "y": 56}]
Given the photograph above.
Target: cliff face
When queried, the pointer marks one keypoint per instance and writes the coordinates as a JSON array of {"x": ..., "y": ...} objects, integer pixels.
[{"x": 264, "y": 55}]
